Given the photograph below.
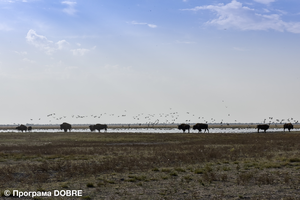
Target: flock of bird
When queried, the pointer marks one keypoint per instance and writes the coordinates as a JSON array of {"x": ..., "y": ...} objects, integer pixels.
[
  {"x": 161, "y": 118},
  {"x": 170, "y": 117}
]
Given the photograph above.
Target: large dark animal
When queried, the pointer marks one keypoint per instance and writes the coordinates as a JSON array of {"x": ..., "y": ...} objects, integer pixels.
[
  {"x": 184, "y": 127},
  {"x": 65, "y": 126},
  {"x": 21, "y": 128},
  {"x": 92, "y": 127},
  {"x": 200, "y": 126},
  {"x": 289, "y": 126},
  {"x": 263, "y": 127},
  {"x": 29, "y": 128},
  {"x": 100, "y": 126}
]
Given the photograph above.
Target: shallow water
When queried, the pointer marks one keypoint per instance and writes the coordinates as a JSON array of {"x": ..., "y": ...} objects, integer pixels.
[
  {"x": 212, "y": 130},
  {"x": 162, "y": 130}
]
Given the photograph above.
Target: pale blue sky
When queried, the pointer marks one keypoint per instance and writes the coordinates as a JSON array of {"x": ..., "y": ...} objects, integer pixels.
[{"x": 234, "y": 60}]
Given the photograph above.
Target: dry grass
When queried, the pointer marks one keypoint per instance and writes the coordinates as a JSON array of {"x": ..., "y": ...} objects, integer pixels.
[{"x": 154, "y": 166}]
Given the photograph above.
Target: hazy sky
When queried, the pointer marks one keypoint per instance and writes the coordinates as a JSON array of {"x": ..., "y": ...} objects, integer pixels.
[{"x": 194, "y": 60}]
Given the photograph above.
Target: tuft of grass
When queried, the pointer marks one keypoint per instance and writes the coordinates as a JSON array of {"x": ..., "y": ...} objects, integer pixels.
[
  {"x": 40, "y": 189},
  {"x": 173, "y": 174},
  {"x": 187, "y": 178},
  {"x": 64, "y": 185},
  {"x": 141, "y": 178},
  {"x": 244, "y": 178},
  {"x": 179, "y": 170},
  {"x": 137, "y": 178},
  {"x": 225, "y": 168},
  {"x": 287, "y": 178},
  {"x": 131, "y": 180},
  {"x": 265, "y": 179},
  {"x": 272, "y": 165},
  {"x": 208, "y": 168},
  {"x": 224, "y": 177},
  {"x": 110, "y": 182},
  {"x": 201, "y": 182},
  {"x": 90, "y": 185},
  {"x": 199, "y": 171},
  {"x": 166, "y": 170},
  {"x": 209, "y": 177},
  {"x": 155, "y": 169},
  {"x": 294, "y": 159}
]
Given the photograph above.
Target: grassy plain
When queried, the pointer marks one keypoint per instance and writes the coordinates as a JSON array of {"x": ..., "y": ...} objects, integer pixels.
[{"x": 153, "y": 166}]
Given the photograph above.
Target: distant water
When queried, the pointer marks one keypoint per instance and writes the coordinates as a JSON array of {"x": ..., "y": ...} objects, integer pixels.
[{"x": 162, "y": 130}]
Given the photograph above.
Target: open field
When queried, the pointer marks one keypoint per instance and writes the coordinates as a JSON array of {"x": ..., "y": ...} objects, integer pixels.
[{"x": 153, "y": 166}]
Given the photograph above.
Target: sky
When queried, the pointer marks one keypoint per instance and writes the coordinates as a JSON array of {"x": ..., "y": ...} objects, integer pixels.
[{"x": 142, "y": 61}]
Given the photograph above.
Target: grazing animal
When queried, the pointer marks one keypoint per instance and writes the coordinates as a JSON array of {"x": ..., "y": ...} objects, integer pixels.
[
  {"x": 289, "y": 126},
  {"x": 200, "y": 126},
  {"x": 263, "y": 127},
  {"x": 184, "y": 127},
  {"x": 92, "y": 127},
  {"x": 21, "y": 128},
  {"x": 100, "y": 126},
  {"x": 65, "y": 126},
  {"x": 29, "y": 128}
]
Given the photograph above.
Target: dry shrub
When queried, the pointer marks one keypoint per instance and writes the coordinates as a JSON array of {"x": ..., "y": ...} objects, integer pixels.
[
  {"x": 209, "y": 177},
  {"x": 223, "y": 177},
  {"x": 244, "y": 178},
  {"x": 265, "y": 179}
]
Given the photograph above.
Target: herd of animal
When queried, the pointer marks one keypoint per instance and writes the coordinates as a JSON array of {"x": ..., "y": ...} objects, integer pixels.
[
  {"x": 23, "y": 128},
  {"x": 66, "y": 126},
  {"x": 199, "y": 126}
]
